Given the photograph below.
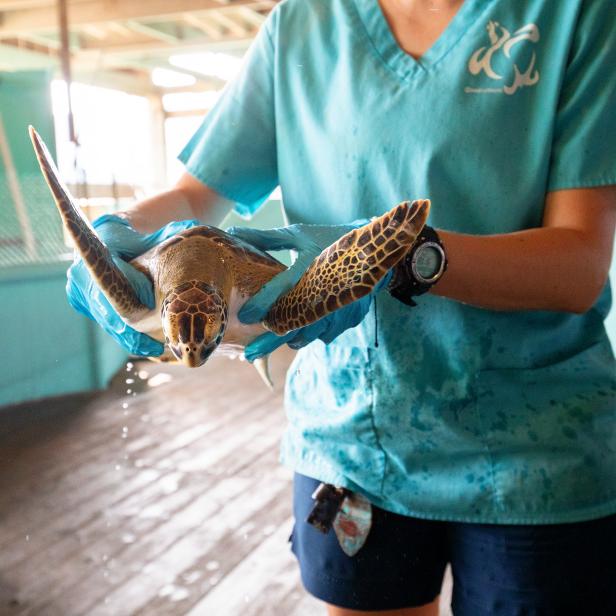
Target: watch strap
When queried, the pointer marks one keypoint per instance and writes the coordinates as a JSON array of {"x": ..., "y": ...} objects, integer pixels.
[{"x": 404, "y": 285}]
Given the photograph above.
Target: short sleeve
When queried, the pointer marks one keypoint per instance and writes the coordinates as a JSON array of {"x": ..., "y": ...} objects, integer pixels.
[
  {"x": 584, "y": 143},
  {"x": 234, "y": 150}
]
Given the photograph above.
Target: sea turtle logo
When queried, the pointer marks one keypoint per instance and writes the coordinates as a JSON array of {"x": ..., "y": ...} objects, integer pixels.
[{"x": 502, "y": 42}]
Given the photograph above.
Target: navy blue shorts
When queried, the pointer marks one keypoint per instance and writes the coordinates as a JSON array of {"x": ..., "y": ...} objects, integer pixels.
[{"x": 555, "y": 570}]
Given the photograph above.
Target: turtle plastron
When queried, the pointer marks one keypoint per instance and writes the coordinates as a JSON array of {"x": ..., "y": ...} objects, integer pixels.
[{"x": 353, "y": 523}]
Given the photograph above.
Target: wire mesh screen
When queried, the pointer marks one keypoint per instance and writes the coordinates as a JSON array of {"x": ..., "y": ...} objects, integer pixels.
[{"x": 30, "y": 228}]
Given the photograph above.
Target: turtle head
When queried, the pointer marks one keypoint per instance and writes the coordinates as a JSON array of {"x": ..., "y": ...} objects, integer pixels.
[{"x": 194, "y": 317}]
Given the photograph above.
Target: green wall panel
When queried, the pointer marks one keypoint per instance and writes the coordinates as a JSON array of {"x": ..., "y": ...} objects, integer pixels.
[{"x": 48, "y": 348}]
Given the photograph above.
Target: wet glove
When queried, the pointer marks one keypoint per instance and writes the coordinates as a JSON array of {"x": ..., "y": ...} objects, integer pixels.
[
  {"x": 308, "y": 241},
  {"x": 124, "y": 243}
]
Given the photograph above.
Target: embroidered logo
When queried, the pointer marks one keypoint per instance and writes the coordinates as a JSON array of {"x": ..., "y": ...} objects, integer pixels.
[{"x": 499, "y": 51}]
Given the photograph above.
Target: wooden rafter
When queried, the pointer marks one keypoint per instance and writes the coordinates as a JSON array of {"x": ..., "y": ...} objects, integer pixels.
[
  {"x": 120, "y": 41},
  {"x": 91, "y": 12}
]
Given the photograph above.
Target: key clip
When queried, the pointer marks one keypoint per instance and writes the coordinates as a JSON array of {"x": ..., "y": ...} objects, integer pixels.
[{"x": 329, "y": 500}]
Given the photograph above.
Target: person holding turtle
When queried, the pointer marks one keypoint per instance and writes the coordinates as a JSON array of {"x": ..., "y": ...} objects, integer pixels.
[{"x": 466, "y": 414}]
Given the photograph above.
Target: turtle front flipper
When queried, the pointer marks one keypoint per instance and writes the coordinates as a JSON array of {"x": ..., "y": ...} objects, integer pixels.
[
  {"x": 350, "y": 268},
  {"x": 95, "y": 254}
]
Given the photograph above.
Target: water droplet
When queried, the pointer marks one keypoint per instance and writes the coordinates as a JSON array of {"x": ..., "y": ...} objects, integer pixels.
[
  {"x": 124, "y": 405},
  {"x": 128, "y": 538},
  {"x": 191, "y": 577},
  {"x": 213, "y": 565},
  {"x": 129, "y": 381},
  {"x": 129, "y": 366},
  {"x": 27, "y": 537},
  {"x": 143, "y": 374},
  {"x": 180, "y": 594},
  {"x": 159, "y": 379},
  {"x": 128, "y": 391},
  {"x": 117, "y": 467}
]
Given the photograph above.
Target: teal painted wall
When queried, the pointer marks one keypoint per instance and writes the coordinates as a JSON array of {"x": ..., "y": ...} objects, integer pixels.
[{"x": 47, "y": 348}]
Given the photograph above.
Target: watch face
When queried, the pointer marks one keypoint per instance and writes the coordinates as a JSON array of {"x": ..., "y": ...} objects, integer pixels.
[{"x": 428, "y": 261}]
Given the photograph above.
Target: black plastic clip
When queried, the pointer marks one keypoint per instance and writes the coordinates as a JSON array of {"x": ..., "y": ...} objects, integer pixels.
[{"x": 328, "y": 499}]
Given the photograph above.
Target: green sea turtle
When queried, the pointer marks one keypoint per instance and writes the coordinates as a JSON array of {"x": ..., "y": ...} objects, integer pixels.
[{"x": 202, "y": 277}]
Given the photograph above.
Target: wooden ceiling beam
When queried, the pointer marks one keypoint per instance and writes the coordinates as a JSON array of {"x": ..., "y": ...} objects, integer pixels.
[
  {"x": 230, "y": 24},
  {"x": 203, "y": 25},
  {"x": 91, "y": 12},
  {"x": 129, "y": 48},
  {"x": 251, "y": 16},
  {"x": 151, "y": 32}
]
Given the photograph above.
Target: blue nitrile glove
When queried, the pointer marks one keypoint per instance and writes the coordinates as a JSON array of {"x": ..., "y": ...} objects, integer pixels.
[
  {"x": 123, "y": 243},
  {"x": 308, "y": 241}
]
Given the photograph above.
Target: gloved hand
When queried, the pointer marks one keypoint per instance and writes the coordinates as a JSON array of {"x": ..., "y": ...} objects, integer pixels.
[
  {"x": 308, "y": 241},
  {"x": 123, "y": 243}
]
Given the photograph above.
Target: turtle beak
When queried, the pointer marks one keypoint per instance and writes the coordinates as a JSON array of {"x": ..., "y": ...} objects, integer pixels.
[{"x": 193, "y": 355}]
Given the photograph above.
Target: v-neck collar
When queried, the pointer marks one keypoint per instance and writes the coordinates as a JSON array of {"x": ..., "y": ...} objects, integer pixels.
[{"x": 402, "y": 63}]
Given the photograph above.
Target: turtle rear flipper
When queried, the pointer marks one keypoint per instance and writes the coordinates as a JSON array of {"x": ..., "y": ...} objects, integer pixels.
[
  {"x": 350, "y": 268},
  {"x": 95, "y": 254}
]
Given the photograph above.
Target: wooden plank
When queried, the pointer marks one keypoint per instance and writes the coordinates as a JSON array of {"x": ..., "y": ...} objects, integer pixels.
[
  {"x": 95, "y": 457},
  {"x": 82, "y": 493},
  {"x": 242, "y": 592},
  {"x": 104, "y": 432},
  {"x": 207, "y": 496},
  {"x": 78, "y": 506},
  {"x": 139, "y": 567},
  {"x": 216, "y": 547}
]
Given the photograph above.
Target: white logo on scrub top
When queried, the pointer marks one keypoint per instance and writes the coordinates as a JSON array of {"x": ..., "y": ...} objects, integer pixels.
[{"x": 502, "y": 41}]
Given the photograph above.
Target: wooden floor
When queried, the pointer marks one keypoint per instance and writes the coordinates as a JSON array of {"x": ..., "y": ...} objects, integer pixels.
[{"x": 162, "y": 496}]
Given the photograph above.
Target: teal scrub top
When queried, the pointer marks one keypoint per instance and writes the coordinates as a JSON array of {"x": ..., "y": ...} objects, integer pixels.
[{"x": 444, "y": 411}]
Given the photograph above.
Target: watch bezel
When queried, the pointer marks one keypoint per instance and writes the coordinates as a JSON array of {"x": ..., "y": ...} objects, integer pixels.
[{"x": 414, "y": 258}]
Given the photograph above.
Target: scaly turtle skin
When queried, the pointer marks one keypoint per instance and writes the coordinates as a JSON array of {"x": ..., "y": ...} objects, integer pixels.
[{"x": 202, "y": 276}]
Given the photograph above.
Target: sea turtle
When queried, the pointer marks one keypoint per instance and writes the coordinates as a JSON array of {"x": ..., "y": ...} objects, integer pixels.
[{"x": 202, "y": 276}]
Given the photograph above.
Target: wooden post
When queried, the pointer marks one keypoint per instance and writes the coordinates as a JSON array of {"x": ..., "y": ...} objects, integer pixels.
[
  {"x": 158, "y": 178},
  {"x": 65, "y": 60}
]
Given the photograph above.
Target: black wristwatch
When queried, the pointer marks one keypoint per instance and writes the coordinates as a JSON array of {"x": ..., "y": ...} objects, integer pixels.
[{"x": 420, "y": 269}]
